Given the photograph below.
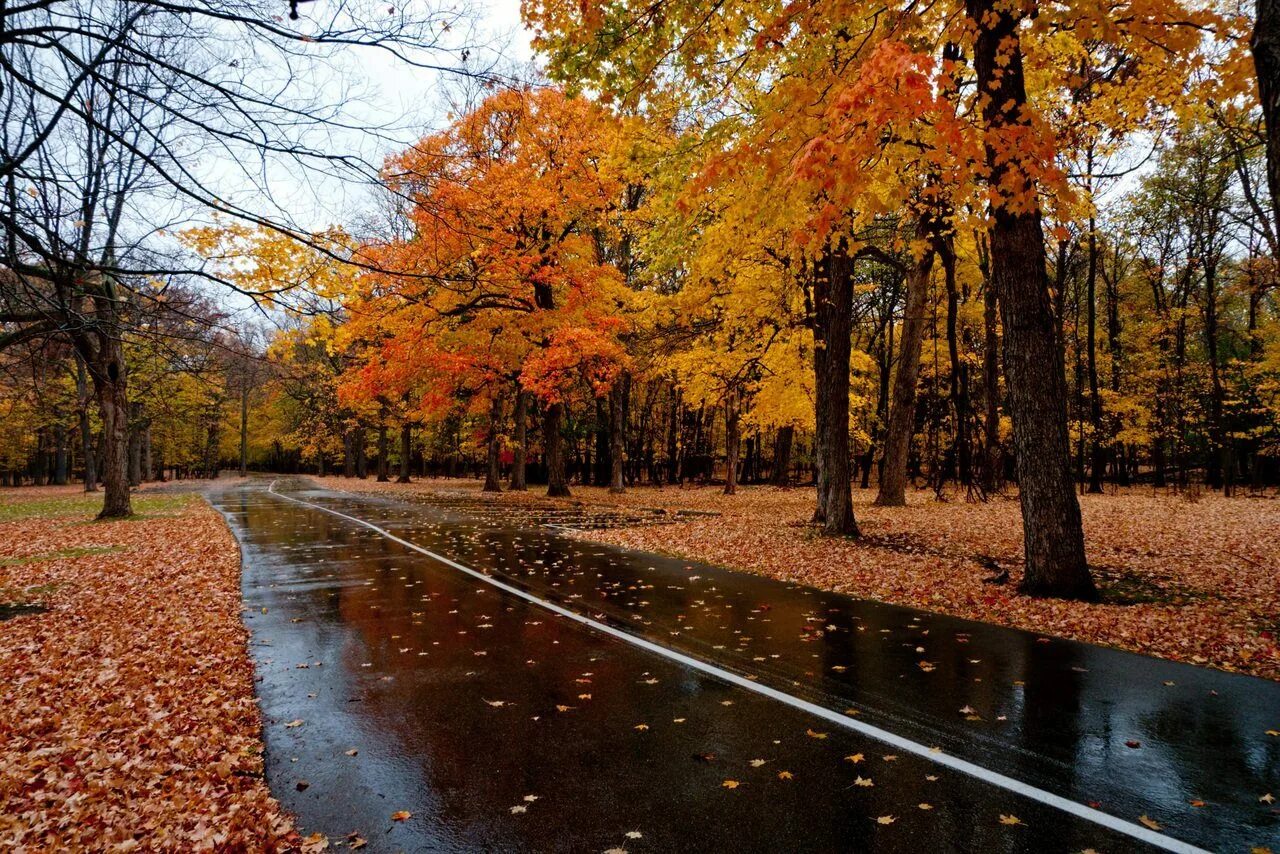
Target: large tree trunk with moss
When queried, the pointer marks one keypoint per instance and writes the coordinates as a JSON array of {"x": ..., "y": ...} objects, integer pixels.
[
  {"x": 833, "y": 325},
  {"x": 553, "y": 440},
  {"x": 520, "y": 454},
  {"x": 902, "y": 410},
  {"x": 1037, "y": 387}
]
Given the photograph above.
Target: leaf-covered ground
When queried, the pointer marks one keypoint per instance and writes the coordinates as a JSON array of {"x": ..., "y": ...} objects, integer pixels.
[
  {"x": 128, "y": 718},
  {"x": 1190, "y": 581}
]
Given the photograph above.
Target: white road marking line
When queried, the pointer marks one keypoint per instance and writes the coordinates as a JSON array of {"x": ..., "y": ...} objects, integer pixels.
[{"x": 995, "y": 778}]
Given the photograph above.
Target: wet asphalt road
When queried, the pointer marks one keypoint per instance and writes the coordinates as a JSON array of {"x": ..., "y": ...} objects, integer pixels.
[{"x": 502, "y": 726}]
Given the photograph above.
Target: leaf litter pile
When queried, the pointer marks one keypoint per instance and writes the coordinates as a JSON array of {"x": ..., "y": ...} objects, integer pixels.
[
  {"x": 128, "y": 719},
  {"x": 1193, "y": 581}
]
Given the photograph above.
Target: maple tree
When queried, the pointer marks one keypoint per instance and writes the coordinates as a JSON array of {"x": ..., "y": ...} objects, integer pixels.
[{"x": 502, "y": 287}]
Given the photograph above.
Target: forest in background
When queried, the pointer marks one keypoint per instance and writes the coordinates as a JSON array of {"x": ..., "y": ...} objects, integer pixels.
[{"x": 965, "y": 247}]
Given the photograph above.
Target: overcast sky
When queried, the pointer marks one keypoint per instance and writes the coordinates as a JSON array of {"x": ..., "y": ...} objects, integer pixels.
[{"x": 396, "y": 101}]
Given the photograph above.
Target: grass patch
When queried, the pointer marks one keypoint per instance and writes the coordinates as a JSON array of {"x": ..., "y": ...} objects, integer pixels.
[{"x": 144, "y": 506}]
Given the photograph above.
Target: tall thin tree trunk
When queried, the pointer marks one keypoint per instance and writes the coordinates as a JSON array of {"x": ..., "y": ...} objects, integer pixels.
[
  {"x": 673, "y": 438},
  {"x": 1219, "y": 454},
  {"x": 361, "y": 438},
  {"x": 553, "y": 440},
  {"x": 600, "y": 475},
  {"x": 384, "y": 450},
  {"x": 782, "y": 442},
  {"x": 86, "y": 431},
  {"x": 1037, "y": 389},
  {"x": 959, "y": 386},
  {"x": 244, "y": 427},
  {"x": 992, "y": 461},
  {"x": 617, "y": 438},
  {"x": 135, "y": 444},
  {"x": 110, "y": 382},
  {"x": 1098, "y": 455},
  {"x": 902, "y": 411},
  {"x": 518, "y": 482},
  {"x": 493, "y": 471},
  {"x": 732, "y": 442},
  {"x": 349, "y": 453},
  {"x": 148, "y": 473},
  {"x": 406, "y": 451},
  {"x": 1266, "y": 60}
]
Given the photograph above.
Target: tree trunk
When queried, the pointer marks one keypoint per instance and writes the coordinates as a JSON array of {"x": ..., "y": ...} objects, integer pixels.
[
  {"x": 992, "y": 463},
  {"x": 59, "y": 455},
  {"x": 349, "y": 453},
  {"x": 600, "y": 474},
  {"x": 782, "y": 442},
  {"x": 135, "y": 444},
  {"x": 86, "y": 431},
  {"x": 1266, "y": 61},
  {"x": 732, "y": 442},
  {"x": 1219, "y": 453},
  {"x": 384, "y": 463},
  {"x": 902, "y": 412},
  {"x": 148, "y": 472},
  {"x": 553, "y": 440},
  {"x": 110, "y": 383},
  {"x": 833, "y": 326},
  {"x": 244, "y": 428},
  {"x": 361, "y": 438},
  {"x": 617, "y": 438},
  {"x": 1037, "y": 388},
  {"x": 959, "y": 386},
  {"x": 673, "y": 438},
  {"x": 493, "y": 472},
  {"x": 521, "y": 453},
  {"x": 1098, "y": 455},
  {"x": 406, "y": 451}
]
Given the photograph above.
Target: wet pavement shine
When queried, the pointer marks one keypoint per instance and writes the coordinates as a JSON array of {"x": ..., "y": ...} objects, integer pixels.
[{"x": 684, "y": 707}]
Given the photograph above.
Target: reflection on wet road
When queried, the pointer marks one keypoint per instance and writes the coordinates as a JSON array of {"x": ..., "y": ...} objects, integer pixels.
[{"x": 500, "y": 725}]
